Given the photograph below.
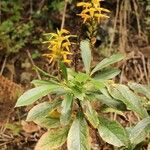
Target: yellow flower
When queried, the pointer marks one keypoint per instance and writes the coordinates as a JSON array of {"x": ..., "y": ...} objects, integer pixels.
[
  {"x": 65, "y": 59},
  {"x": 66, "y": 45},
  {"x": 84, "y": 4},
  {"x": 84, "y": 16},
  {"x": 100, "y": 16},
  {"x": 92, "y": 11},
  {"x": 59, "y": 46},
  {"x": 96, "y": 3}
]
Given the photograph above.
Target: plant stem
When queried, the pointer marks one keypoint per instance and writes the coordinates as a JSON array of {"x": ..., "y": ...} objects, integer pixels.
[
  {"x": 32, "y": 62},
  {"x": 64, "y": 14},
  {"x": 3, "y": 65},
  {"x": 37, "y": 72}
]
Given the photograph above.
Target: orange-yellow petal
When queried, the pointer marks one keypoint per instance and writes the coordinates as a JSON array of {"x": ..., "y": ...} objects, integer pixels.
[{"x": 84, "y": 4}]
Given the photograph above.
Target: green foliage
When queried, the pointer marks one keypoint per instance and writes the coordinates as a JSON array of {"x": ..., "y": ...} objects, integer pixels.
[
  {"x": 41, "y": 110},
  {"x": 52, "y": 139},
  {"x": 124, "y": 94},
  {"x": 113, "y": 133},
  {"x": 36, "y": 93},
  {"x": 107, "y": 74},
  {"x": 138, "y": 133},
  {"x": 66, "y": 109},
  {"x": 78, "y": 136},
  {"x": 107, "y": 61},
  {"x": 86, "y": 54},
  {"x": 75, "y": 94},
  {"x": 58, "y": 5},
  {"x": 63, "y": 69},
  {"x": 138, "y": 88},
  {"x": 14, "y": 128},
  {"x": 14, "y": 33},
  {"x": 91, "y": 115}
]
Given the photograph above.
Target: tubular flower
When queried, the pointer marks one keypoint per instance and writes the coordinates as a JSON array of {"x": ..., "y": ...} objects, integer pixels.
[
  {"x": 92, "y": 11},
  {"x": 59, "y": 46}
]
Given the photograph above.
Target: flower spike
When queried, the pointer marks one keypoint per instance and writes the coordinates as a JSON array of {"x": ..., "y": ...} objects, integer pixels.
[
  {"x": 59, "y": 46},
  {"x": 92, "y": 11}
]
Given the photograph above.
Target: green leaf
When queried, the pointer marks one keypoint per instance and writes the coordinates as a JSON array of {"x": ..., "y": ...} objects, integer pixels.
[
  {"x": 15, "y": 128},
  {"x": 71, "y": 73},
  {"x": 42, "y": 110},
  {"x": 86, "y": 54},
  {"x": 91, "y": 115},
  {"x": 63, "y": 70},
  {"x": 111, "y": 102},
  {"x": 78, "y": 137},
  {"x": 43, "y": 82},
  {"x": 139, "y": 88},
  {"x": 48, "y": 122},
  {"x": 140, "y": 131},
  {"x": 45, "y": 73},
  {"x": 113, "y": 133},
  {"x": 81, "y": 77},
  {"x": 39, "y": 114},
  {"x": 112, "y": 110},
  {"x": 52, "y": 139},
  {"x": 132, "y": 101},
  {"x": 78, "y": 93},
  {"x": 66, "y": 109},
  {"x": 34, "y": 94},
  {"x": 98, "y": 84},
  {"x": 6, "y": 26},
  {"x": 107, "y": 74},
  {"x": 108, "y": 61}
]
